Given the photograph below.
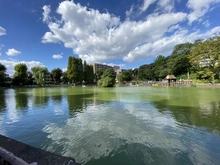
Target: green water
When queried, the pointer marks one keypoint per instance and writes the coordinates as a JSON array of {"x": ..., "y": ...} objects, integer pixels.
[{"x": 122, "y": 125}]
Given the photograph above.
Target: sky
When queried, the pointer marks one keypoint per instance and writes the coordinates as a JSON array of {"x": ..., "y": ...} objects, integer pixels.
[{"x": 127, "y": 33}]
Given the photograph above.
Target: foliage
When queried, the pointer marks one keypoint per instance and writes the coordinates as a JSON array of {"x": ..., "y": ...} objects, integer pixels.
[
  {"x": 88, "y": 72},
  {"x": 20, "y": 75},
  {"x": 2, "y": 74},
  {"x": 107, "y": 79},
  {"x": 65, "y": 78},
  {"x": 119, "y": 78},
  {"x": 40, "y": 74},
  {"x": 29, "y": 78},
  {"x": 160, "y": 69},
  {"x": 56, "y": 74},
  {"x": 205, "y": 58},
  {"x": 99, "y": 74},
  {"x": 75, "y": 69}
]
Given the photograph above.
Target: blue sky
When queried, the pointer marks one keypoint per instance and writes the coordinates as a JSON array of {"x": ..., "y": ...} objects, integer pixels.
[{"x": 128, "y": 33}]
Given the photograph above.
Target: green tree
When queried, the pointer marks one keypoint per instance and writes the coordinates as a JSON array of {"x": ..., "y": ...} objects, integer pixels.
[
  {"x": 127, "y": 75},
  {"x": 99, "y": 74},
  {"x": 30, "y": 78},
  {"x": 64, "y": 78},
  {"x": 160, "y": 68},
  {"x": 145, "y": 72},
  {"x": 20, "y": 75},
  {"x": 119, "y": 78},
  {"x": 107, "y": 79},
  {"x": 134, "y": 73},
  {"x": 75, "y": 69},
  {"x": 56, "y": 74},
  {"x": 178, "y": 63},
  {"x": 40, "y": 74},
  {"x": 206, "y": 55},
  {"x": 88, "y": 72},
  {"x": 2, "y": 74}
]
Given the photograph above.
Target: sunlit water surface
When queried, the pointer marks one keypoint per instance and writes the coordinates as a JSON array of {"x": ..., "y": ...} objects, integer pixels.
[{"x": 122, "y": 125}]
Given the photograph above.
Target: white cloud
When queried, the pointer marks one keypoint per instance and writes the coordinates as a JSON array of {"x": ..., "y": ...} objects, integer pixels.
[
  {"x": 2, "y": 31},
  {"x": 13, "y": 52},
  {"x": 9, "y": 64},
  {"x": 100, "y": 37},
  {"x": 146, "y": 5},
  {"x": 57, "y": 56},
  {"x": 166, "y": 5},
  {"x": 129, "y": 12},
  {"x": 46, "y": 13},
  {"x": 166, "y": 44},
  {"x": 199, "y": 8}
]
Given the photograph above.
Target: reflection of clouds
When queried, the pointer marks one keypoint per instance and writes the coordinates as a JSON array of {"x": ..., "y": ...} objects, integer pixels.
[
  {"x": 11, "y": 106},
  {"x": 58, "y": 109},
  {"x": 102, "y": 130}
]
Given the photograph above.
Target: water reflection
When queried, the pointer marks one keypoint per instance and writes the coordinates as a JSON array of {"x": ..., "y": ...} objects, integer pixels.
[
  {"x": 41, "y": 97},
  {"x": 112, "y": 135},
  {"x": 21, "y": 99},
  {"x": 117, "y": 125},
  {"x": 2, "y": 101},
  {"x": 78, "y": 102}
]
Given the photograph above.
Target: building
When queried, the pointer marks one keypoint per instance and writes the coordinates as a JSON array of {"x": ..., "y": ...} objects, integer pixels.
[{"x": 104, "y": 67}]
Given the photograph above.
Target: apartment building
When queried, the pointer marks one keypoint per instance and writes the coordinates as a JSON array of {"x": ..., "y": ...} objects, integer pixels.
[{"x": 104, "y": 67}]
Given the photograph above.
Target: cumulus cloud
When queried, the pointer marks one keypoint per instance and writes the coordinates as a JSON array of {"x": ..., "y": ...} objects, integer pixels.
[
  {"x": 2, "y": 31},
  {"x": 199, "y": 8},
  {"x": 9, "y": 64},
  {"x": 146, "y": 5},
  {"x": 101, "y": 37},
  {"x": 57, "y": 56},
  {"x": 46, "y": 13},
  {"x": 13, "y": 52},
  {"x": 166, "y": 44}
]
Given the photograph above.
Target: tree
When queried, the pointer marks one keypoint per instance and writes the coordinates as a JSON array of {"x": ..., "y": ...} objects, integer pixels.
[
  {"x": 134, "y": 73},
  {"x": 30, "y": 78},
  {"x": 99, "y": 74},
  {"x": 160, "y": 68},
  {"x": 40, "y": 74},
  {"x": 20, "y": 75},
  {"x": 206, "y": 55},
  {"x": 56, "y": 74},
  {"x": 88, "y": 72},
  {"x": 2, "y": 74},
  {"x": 127, "y": 75},
  {"x": 145, "y": 72},
  {"x": 178, "y": 63},
  {"x": 64, "y": 78},
  {"x": 107, "y": 79},
  {"x": 75, "y": 69}
]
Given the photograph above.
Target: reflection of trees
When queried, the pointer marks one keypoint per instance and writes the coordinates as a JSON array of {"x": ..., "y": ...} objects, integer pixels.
[
  {"x": 57, "y": 98},
  {"x": 2, "y": 100},
  {"x": 206, "y": 115},
  {"x": 21, "y": 98},
  {"x": 40, "y": 96},
  {"x": 78, "y": 102}
]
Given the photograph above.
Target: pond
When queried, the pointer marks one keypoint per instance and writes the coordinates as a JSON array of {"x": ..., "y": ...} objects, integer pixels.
[{"x": 121, "y": 125}]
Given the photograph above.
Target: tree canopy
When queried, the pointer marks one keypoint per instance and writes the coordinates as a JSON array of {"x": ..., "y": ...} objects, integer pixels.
[
  {"x": 20, "y": 75},
  {"x": 107, "y": 79},
  {"x": 56, "y": 74},
  {"x": 40, "y": 74},
  {"x": 75, "y": 69},
  {"x": 2, "y": 74}
]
